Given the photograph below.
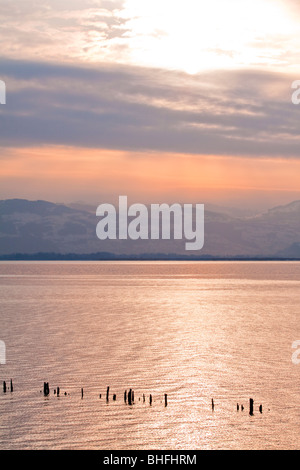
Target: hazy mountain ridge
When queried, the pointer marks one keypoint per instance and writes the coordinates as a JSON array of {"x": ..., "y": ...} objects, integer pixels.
[{"x": 41, "y": 226}]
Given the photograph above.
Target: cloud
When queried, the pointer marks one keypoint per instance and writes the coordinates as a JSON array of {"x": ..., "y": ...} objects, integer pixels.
[
  {"x": 133, "y": 108},
  {"x": 61, "y": 30},
  {"x": 188, "y": 35}
]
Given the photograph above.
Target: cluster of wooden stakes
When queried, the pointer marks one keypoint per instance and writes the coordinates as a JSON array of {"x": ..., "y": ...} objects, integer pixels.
[{"x": 128, "y": 397}]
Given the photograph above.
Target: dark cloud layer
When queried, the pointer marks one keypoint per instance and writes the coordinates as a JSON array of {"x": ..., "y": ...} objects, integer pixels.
[{"x": 243, "y": 113}]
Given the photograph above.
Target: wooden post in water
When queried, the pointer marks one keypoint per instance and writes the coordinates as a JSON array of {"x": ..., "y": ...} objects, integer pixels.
[
  {"x": 4, "y": 386},
  {"x": 114, "y": 397},
  {"x": 251, "y": 407},
  {"x": 11, "y": 385},
  {"x": 107, "y": 394},
  {"x": 237, "y": 407},
  {"x": 260, "y": 409},
  {"x": 46, "y": 389},
  {"x": 130, "y": 397},
  {"x": 212, "y": 404},
  {"x": 57, "y": 391},
  {"x": 150, "y": 399},
  {"x": 125, "y": 396},
  {"x": 166, "y": 399},
  {"x": 81, "y": 393},
  {"x": 144, "y": 398}
]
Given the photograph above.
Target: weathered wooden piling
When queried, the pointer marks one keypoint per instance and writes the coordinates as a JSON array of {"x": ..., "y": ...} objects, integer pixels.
[
  {"x": 212, "y": 404},
  {"x": 260, "y": 409},
  {"x": 130, "y": 397},
  {"x": 251, "y": 407},
  {"x": 11, "y": 385},
  {"x": 166, "y": 399},
  {"x": 57, "y": 391},
  {"x": 107, "y": 394},
  {"x": 114, "y": 397},
  {"x": 144, "y": 398},
  {"x": 82, "y": 393},
  {"x": 4, "y": 386},
  {"x": 237, "y": 407},
  {"x": 125, "y": 396},
  {"x": 46, "y": 389},
  {"x": 150, "y": 399}
]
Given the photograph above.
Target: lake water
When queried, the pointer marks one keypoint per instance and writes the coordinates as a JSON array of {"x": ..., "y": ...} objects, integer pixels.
[{"x": 193, "y": 330}]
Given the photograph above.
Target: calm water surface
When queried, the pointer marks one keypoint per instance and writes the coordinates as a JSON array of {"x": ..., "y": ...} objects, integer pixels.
[{"x": 195, "y": 331}]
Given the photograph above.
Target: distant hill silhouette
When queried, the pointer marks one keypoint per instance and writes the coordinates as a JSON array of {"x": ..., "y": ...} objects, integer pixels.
[{"x": 31, "y": 227}]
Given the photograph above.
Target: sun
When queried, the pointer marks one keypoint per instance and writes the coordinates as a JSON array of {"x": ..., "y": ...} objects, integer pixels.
[{"x": 196, "y": 35}]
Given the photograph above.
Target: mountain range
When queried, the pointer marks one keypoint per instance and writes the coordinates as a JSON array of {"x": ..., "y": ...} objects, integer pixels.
[{"x": 29, "y": 227}]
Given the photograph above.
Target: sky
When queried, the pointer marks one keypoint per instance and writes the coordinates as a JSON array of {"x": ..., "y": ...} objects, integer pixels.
[{"x": 162, "y": 101}]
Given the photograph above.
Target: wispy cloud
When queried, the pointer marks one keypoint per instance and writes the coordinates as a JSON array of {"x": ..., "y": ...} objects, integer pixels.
[
  {"x": 59, "y": 31},
  {"x": 123, "y": 107},
  {"x": 193, "y": 35}
]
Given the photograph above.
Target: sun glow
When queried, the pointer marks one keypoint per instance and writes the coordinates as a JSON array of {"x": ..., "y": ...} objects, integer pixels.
[
  {"x": 195, "y": 35},
  {"x": 89, "y": 174}
]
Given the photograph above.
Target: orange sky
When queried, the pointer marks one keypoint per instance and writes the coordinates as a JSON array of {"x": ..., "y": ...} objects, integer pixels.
[{"x": 66, "y": 174}]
